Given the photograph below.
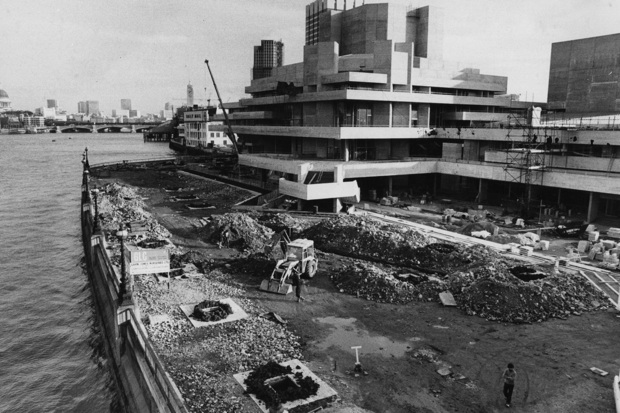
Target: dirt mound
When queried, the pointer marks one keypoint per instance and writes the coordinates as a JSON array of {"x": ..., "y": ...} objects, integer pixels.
[
  {"x": 280, "y": 222},
  {"x": 121, "y": 204},
  {"x": 367, "y": 238},
  {"x": 245, "y": 231},
  {"x": 509, "y": 299},
  {"x": 372, "y": 283}
]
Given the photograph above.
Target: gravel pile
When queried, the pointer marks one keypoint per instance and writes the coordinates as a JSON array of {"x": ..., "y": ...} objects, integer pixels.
[
  {"x": 280, "y": 222},
  {"x": 500, "y": 296},
  {"x": 366, "y": 238},
  {"x": 245, "y": 231},
  {"x": 121, "y": 204}
]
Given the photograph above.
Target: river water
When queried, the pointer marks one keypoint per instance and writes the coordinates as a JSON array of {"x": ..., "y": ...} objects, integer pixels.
[{"x": 51, "y": 356}]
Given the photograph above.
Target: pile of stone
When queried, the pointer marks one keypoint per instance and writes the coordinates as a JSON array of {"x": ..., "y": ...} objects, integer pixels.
[
  {"x": 285, "y": 222},
  {"x": 245, "y": 231},
  {"x": 497, "y": 295},
  {"x": 482, "y": 282},
  {"x": 370, "y": 282},
  {"x": 367, "y": 238},
  {"x": 119, "y": 204}
]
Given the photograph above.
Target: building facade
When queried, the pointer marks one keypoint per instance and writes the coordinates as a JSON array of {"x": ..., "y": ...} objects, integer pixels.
[
  {"x": 197, "y": 131},
  {"x": 267, "y": 56},
  {"x": 374, "y": 108},
  {"x": 126, "y": 104},
  {"x": 51, "y": 103},
  {"x": 92, "y": 107}
]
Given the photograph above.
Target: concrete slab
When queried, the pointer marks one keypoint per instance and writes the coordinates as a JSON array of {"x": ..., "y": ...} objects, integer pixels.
[
  {"x": 325, "y": 394},
  {"x": 447, "y": 299},
  {"x": 238, "y": 314}
]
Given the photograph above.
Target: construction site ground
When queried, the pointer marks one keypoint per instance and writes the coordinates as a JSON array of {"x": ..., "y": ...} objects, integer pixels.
[{"x": 406, "y": 347}]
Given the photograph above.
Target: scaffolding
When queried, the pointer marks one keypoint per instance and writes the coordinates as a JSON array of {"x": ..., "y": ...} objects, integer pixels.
[{"x": 526, "y": 155}]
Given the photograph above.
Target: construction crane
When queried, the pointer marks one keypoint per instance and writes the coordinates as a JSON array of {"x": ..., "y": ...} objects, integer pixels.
[{"x": 229, "y": 130}]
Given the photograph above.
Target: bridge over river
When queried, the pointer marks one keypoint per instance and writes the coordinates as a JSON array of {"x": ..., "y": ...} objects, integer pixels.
[{"x": 104, "y": 128}]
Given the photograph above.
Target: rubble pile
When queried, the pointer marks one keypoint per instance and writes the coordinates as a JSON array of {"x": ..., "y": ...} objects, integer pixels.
[
  {"x": 498, "y": 296},
  {"x": 373, "y": 283},
  {"x": 245, "y": 231},
  {"x": 481, "y": 281},
  {"x": 120, "y": 204},
  {"x": 367, "y": 238},
  {"x": 285, "y": 222}
]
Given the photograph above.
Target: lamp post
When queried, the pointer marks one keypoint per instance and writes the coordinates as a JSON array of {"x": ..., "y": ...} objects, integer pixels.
[
  {"x": 96, "y": 223},
  {"x": 125, "y": 290}
]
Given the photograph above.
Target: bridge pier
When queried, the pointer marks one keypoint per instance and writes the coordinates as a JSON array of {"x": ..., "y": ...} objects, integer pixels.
[
  {"x": 94, "y": 129},
  {"x": 133, "y": 128}
]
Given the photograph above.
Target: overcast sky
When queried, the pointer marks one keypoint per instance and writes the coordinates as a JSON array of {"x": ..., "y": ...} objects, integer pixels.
[{"x": 148, "y": 51}]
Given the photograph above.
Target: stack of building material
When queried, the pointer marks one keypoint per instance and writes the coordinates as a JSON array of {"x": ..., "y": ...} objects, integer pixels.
[
  {"x": 613, "y": 232},
  {"x": 526, "y": 250},
  {"x": 593, "y": 236}
]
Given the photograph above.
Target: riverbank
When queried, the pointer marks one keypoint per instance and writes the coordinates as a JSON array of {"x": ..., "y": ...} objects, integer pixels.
[{"x": 403, "y": 346}]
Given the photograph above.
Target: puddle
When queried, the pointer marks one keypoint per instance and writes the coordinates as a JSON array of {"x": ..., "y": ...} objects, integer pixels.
[{"x": 346, "y": 335}]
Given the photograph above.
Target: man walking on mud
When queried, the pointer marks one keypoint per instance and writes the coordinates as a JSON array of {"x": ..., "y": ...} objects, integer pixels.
[{"x": 509, "y": 377}]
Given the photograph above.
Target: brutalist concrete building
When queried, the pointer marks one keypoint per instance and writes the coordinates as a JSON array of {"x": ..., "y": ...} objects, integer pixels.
[{"x": 375, "y": 109}]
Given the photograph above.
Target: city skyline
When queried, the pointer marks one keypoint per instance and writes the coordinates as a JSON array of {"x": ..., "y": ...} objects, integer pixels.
[{"x": 108, "y": 51}]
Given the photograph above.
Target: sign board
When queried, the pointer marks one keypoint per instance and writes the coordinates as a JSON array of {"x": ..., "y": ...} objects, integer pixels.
[{"x": 146, "y": 261}]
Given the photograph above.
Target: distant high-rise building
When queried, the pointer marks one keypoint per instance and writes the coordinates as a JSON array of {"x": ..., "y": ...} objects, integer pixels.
[
  {"x": 51, "y": 103},
  {"x": 313, "y": 11},
  {"x": 126, "y": 104},
  {"x": 168, "y": 106},
  {"x": 134, "y": 113},
  {"x": 92, "y": 107},
  {"x": 268, "y": 55},
  {"x": 190, "y": 95},
  {"x": 82, "y": 107}
]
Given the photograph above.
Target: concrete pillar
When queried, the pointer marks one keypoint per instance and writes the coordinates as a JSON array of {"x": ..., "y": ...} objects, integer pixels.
[
  {"x": 435, "y": 182},
  {"x": 391, "y": 114},
  {"x": 346, "y": 150},
  {"x": 483, "y": 187},
  {"x": 560, "y": 196},
  {"x": 592, "y": 207},
  {"x": 337, "y": 205},
  {"x": 389, "y": 185}
]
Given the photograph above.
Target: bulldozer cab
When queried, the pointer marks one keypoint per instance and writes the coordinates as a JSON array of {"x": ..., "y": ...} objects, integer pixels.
[{"x": 300, "y": 250}]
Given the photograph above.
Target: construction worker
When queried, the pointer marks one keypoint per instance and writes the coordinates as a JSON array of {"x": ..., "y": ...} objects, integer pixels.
[{"x": 297, "y": 283}]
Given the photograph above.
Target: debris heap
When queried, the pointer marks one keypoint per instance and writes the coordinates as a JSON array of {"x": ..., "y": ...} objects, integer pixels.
[
  {"x": 245, "y": 231},
  {"x": 119, "y": 204},
  {"x": 500, "y": 296},
  {"x": 367, "y": 238}
]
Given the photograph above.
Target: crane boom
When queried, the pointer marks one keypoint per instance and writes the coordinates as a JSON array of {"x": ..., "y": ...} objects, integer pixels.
[{"x": 230, "y": 133}]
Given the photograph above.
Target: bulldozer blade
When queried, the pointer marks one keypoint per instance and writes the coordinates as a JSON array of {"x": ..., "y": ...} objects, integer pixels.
[{"x": 273, "y": 286}]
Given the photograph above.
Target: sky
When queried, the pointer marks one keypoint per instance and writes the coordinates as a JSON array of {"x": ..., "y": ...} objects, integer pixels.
[{"x": 148, "y": 51}]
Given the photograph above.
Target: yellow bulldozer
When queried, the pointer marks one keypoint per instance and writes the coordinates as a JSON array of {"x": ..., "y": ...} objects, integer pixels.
[{"x": 299, "y": 258}]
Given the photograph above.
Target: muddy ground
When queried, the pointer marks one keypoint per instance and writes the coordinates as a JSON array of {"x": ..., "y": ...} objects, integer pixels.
[{"x": 403, "y": 346}]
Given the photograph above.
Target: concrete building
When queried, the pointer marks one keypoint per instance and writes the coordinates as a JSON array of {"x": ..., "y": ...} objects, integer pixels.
[
  {"x": 82, "y": 108},
  {"x": 92, "y": 107},
  {"x": 375, "y": 109},
  {"x": 134, "y": 113},
  {"x": 51, "y": 103},
  {"x": 126, "y": 104},
  {"x": 196, "y": 127},
  {"x": 267, "y": 56}
]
